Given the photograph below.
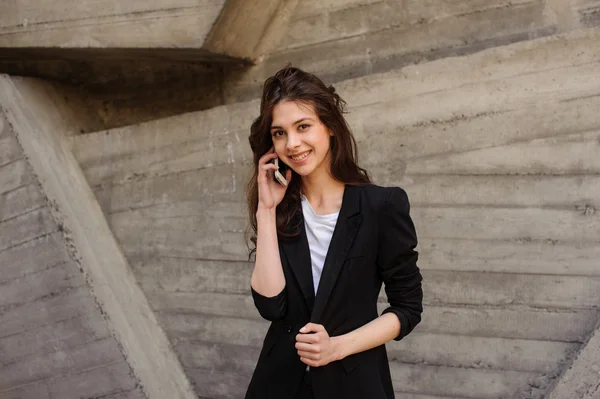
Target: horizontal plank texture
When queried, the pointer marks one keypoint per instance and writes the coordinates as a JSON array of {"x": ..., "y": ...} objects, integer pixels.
[
  {"x": 54, "y": 340},
  {"x": 499, "y": 153},
  {"x": 92, "y": 24},
  {"x": 343, "y": 40}
]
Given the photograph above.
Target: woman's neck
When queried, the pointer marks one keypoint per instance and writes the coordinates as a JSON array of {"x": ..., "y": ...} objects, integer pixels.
[{"x": 323, "y": 192}]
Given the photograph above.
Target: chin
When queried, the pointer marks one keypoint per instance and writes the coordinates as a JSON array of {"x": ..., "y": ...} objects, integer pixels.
[{"x": 303, "y": 171}]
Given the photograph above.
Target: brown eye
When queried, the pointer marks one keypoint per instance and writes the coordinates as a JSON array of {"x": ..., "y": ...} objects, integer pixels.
[{"x": 304, "y": 126}]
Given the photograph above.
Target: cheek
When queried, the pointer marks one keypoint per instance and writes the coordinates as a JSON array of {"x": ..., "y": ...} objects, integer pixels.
[
  {"x": 279, "y": 146},
  {"x": 324, "y": 144}
]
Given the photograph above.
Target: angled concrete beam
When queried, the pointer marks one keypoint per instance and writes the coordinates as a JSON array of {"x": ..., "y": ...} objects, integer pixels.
[
  {"x": 116, "y": 48},
  {"x": 92, "y": 244},
  {"x": 582, "y": 379},
  {"x": 249, "y": 28}
]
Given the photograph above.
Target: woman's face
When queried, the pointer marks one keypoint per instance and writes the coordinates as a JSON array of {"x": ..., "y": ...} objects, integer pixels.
[{"x": 300, "y": 139}]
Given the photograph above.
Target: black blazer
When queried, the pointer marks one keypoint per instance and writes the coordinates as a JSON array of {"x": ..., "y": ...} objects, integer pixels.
[{"x": 373, "y": 242}]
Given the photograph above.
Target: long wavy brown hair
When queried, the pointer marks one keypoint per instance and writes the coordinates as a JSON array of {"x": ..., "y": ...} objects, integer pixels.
[{"x": 293, "y": 84}]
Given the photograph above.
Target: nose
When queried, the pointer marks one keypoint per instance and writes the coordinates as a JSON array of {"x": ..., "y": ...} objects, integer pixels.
[{"x": 293, "y": 141}]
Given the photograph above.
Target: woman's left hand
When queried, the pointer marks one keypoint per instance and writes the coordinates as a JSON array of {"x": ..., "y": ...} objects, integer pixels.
[{"x": 315, "y": 347}]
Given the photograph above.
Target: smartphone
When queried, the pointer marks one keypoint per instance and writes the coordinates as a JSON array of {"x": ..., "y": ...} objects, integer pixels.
[{"x": 279, "y": 175}]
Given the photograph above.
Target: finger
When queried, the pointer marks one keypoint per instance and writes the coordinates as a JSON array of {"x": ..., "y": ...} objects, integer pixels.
[
  {"x": 310, "y": 355},
  {"x": 312, "y": 327},
  {"x": 267, "y": 157},
  {"x": 303, "y": 346},
  {"x": 266, "y": 161},
  {"x": 269, "y": 166},
  {"x": 308, "y": 338},
  {"x": 266, "y": 170}
]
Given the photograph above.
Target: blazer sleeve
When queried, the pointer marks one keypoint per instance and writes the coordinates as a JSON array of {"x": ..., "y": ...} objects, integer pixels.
[
  {"x": 270, "y": 308},
  {"x": 397, "y": 261}
]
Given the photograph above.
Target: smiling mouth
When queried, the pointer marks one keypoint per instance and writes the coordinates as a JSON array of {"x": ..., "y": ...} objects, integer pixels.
[{"x": 301, "y": 156}]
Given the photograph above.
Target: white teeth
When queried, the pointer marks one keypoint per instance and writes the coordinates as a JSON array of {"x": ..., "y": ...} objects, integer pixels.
[{"x": 301, "y": 157}]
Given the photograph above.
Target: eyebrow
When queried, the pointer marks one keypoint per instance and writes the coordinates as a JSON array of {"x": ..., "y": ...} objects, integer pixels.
[{"x": 295, "y": 123}]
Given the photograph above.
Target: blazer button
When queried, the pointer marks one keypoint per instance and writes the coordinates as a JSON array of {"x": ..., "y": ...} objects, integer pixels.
[{"x": 288, "y": 329}]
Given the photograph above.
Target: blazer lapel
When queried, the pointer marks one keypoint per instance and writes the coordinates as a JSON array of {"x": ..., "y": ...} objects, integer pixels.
[
  {"x": 345, "y": 230},
  {"x": 298, "y": 256}
]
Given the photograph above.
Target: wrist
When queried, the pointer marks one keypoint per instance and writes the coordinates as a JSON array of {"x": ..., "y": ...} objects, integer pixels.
[
  {"x": 265, "y": 213},
  {"x": 339, "y": 347}
]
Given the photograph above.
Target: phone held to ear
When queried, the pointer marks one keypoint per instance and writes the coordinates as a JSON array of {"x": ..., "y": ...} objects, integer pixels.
[{"x": 279, "y": 174}]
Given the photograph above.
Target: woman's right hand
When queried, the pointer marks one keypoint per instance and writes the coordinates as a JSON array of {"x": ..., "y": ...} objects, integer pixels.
[{"x": 270, "y": 193}]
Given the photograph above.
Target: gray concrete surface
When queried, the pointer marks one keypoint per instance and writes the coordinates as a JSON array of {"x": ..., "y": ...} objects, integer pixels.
[
  {"x": 582, "y": 379},
  {"x": 138, "y": 343},
  {"x": 498, "y": 150},
  {"x": 107, "y": 24},
  {"x": 114, "y": 53},
  {"x": 117, "y": 70},
  {"x": 391, "y": 34},
  {"x": 114, "y": 83},
  {"x": 250, "y": 29},
  {"x": 54, "y": 341},
  {"x": 504, "y": 189}
]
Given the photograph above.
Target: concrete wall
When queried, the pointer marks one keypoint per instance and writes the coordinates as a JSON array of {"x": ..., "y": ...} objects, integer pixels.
[
  {"x": 344, "y": 39},
  {"x": 337, "y": 39},
  {"x": 38, "y": 124},
  {"x": 115, "y": 53},
  {"x": 54, "y": 340},
  {"x": 499, "y": 153},
  {"x": 112, "y": 51},
  {"x": 108, "y": 23}
]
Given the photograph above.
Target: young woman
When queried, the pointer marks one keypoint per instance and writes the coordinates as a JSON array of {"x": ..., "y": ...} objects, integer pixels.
[{"x": 324, "y": 243}]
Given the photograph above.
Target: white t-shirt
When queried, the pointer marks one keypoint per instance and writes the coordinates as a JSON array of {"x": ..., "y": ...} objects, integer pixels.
[{"x": 319, "y": 229}]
